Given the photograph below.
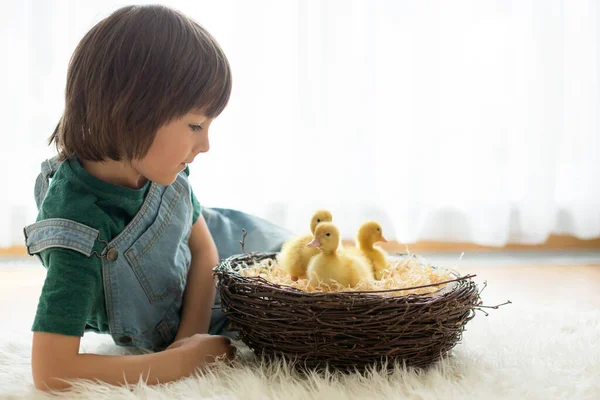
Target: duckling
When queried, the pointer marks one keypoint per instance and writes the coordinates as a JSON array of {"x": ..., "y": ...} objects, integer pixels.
[
  {"x": 334, "y": 263},
  {"x": 369, "y": 233},
  {"x": 294, "y": 255}
]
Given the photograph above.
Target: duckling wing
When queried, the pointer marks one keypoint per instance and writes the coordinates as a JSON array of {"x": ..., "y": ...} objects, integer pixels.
[
  {"x": 352, "y": 250},
  {"x": 361, "y": 267},
  {"x": 294, "y": 255},
  {"x": 323, "y": 268}
]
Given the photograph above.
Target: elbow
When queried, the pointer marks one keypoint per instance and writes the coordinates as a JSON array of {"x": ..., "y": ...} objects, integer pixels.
[
  {"x": 52, "y": 361},
  {"x": 50, "y": 383}
]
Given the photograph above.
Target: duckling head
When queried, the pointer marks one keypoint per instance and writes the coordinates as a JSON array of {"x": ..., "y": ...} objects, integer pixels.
[
  {"x": 370, "y": 232},
  {"x": 318, "y": 217},
  {"x": 327, "y": 237}
]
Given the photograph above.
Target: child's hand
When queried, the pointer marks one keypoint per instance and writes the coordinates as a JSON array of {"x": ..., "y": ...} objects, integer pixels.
[{"x": 200, "y": 349}]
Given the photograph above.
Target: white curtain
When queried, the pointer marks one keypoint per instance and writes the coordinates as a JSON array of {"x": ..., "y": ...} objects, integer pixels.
[{"x": 469, "y": 120}]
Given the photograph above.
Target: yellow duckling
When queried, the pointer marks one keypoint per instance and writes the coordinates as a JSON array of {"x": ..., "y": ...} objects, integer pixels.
[
  {"x": 334, "y": 263},
  {"x": 369, "y": 233},
  {"x": 294, "y": 255}
]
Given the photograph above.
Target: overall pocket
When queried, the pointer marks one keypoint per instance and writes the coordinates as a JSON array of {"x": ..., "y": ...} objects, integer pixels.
[
  {"x": 160, "y": 257},
  {"x": 166, "y": 330}
]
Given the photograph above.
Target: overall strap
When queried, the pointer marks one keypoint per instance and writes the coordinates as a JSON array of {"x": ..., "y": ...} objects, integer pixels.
[
  {"x": 42, "y": 182},
  {"x": 58, "y": 232}
]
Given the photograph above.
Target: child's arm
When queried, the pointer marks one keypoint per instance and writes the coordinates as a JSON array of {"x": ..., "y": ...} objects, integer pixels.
[
  {"x": 56, "y": 357},
  {"x": 199, "y": 295}
]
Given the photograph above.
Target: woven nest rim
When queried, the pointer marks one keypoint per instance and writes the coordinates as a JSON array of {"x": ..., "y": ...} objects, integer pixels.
[{"x": 231, "y": 266}]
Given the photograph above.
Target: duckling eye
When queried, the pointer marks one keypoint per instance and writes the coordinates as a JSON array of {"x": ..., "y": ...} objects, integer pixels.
[
  {"x": 328, "y": 234},
  {"x": 378, "y": 229},
  {"x": 318, "y": 220}
]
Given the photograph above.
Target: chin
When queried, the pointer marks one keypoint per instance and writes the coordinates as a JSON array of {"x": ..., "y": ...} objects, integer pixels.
[{"x": 164, "y": 180}]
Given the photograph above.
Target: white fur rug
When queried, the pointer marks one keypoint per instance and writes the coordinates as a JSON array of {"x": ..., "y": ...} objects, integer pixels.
[{"x": 512, "y": 354}]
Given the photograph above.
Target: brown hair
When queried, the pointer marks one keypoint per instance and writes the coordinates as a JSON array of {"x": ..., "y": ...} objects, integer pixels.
[{"x": 133, "y": 72}]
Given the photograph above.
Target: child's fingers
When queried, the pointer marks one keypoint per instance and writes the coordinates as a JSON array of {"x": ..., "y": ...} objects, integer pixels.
[
  {"x": 231, "y": 352},
  {"x": 176, "y": 344},
  {"x": 227, "y": 340}
]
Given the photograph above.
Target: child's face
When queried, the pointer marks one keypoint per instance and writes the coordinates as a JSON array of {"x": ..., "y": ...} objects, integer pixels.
[{"x": 175, "y": 145}]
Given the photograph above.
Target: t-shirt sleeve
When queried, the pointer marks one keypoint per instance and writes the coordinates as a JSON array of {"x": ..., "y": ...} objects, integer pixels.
[
  {"x": 195, "y": 203},
  {"x": 197, "y": 207},
  {"x": 68, "y": 293}
]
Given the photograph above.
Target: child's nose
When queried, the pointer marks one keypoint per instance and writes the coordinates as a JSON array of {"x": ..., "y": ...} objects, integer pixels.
[{"x": 202, "y": 147}]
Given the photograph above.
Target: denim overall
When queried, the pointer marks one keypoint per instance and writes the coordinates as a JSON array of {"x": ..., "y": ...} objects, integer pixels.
[{"x": 145, "y": 267}]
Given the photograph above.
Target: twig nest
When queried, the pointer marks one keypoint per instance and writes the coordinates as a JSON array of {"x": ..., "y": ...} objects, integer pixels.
[{"x": 415, "y": 314}]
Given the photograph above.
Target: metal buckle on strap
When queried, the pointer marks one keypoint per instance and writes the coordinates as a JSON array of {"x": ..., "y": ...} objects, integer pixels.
[{"x": 103, "y": 253}]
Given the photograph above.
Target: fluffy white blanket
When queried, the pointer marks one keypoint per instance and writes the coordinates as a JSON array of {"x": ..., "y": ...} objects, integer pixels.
[{"x": 514, "y": 353}]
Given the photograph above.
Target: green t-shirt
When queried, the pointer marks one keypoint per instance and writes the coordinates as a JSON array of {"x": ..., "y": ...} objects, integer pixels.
[{"x": 72, "y": 299}]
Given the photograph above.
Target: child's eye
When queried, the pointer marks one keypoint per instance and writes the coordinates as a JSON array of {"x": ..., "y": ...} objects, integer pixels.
[{"x": 196, "y": 128}]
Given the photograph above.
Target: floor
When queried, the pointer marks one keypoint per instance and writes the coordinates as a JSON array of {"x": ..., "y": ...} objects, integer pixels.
[{"x": 532, "y": 279}]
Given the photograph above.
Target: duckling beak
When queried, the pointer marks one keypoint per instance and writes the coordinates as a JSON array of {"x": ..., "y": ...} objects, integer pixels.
[
  {"x": 383, "y": 239},
  {"x": 315, "y": 243}
]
